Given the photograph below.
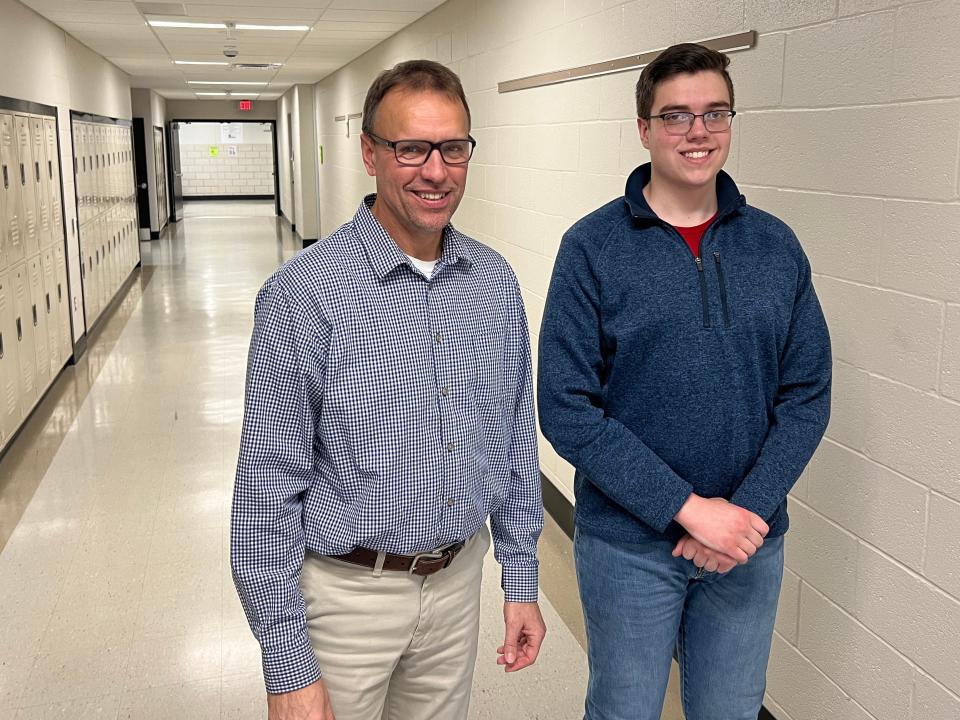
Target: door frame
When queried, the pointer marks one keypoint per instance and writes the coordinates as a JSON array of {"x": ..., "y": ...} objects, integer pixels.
[{"x": 273, "y": 132}]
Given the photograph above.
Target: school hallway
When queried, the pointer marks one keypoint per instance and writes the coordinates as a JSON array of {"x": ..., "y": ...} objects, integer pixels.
[{"x": 115, "y": 593}]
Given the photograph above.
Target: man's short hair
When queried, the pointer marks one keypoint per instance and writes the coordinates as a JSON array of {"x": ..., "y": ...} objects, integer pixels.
[
  {"x": 678, "y": 60},
  {"x": 412, "y": 75}
]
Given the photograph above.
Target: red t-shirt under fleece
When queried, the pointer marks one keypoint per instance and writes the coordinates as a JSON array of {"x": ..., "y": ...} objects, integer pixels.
[{"x": 693, "y": 235}]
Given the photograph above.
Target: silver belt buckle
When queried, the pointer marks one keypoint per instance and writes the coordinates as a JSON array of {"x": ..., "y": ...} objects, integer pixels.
[{"x": 432, "y": 555}]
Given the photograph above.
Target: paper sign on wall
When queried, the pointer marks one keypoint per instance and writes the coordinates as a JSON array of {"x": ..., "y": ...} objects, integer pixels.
[
  {"x": 232, "y": 151},
  {"x": 214, "y": 151},
  {"x": 231, "y": 132}
]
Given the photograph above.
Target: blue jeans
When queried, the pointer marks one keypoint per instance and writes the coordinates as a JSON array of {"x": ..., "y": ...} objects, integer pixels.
[{"x": 643, "y": 607}]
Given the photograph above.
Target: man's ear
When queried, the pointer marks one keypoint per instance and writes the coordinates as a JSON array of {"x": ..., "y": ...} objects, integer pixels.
[
  {"x": 644, "y": 127},
  {"x": 366, "y": 152}
]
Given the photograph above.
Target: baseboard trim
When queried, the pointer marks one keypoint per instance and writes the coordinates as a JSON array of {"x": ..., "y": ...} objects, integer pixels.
[
  {"x": 154, "y": 235},
  {"x": 307, "y": 242},
  {"x": 228, "y": 197},
  {"x": 79, "y": 348},
  {"x": 561, "y": 510},
  {"x": 556, "y": 503}
]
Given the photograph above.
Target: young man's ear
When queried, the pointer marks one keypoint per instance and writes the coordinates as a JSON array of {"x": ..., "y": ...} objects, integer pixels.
[
  {"x": 366, "y": 152},
  {"x": 644, "y": 127}
]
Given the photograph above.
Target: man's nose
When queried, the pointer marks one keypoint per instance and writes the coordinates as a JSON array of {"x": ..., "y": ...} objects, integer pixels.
[
  {"x": 698, "y": 128},
  {"x": 434, "y": 168}
]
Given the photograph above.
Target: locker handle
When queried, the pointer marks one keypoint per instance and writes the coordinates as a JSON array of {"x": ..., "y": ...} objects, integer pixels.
[
  {"x": 48, "y": 303},
  {"x": 36, "y": 167},
  {"x": 19, "y": 331},
  {"x": 23, "y": 175},
  {"x": 59, "y": 292},
  {"x": 6, "y": 178},
  {"x": 50, "y": 168},
  {"x": 34, "y": 306},
  {"x": 1, "y": 346}
]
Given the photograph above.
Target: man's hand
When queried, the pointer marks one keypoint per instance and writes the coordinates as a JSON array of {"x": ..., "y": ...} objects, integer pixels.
[
  {"x": 702, "y": 556},
  {"x": 723, "y": 526},
  {"x": 524, "y": 635},
  {"x": 307, "y": 703}
]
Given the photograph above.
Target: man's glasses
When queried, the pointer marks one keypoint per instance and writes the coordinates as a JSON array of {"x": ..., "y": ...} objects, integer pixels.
[
  {"x": 416, "y": 152},
  {"x": 680, "y": 123}
]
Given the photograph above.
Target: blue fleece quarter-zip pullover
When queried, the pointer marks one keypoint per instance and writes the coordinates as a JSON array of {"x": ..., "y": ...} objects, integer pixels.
[{"x": 662, "y": 374}]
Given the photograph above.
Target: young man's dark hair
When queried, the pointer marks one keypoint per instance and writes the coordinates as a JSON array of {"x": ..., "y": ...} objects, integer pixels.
[
  {"x": 682, "y": 58},
  {"x": 412, "y": 75}
]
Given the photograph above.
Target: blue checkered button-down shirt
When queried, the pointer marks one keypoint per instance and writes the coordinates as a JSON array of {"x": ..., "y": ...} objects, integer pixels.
[{"x": 385, "y": 410}]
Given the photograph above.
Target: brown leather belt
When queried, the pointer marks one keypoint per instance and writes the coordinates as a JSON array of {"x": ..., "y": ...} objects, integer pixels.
[{"x": 425, "y": 563}]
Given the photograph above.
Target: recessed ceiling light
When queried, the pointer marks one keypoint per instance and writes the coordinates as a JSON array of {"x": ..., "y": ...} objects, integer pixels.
[
  {"x": 294, "y": 28},
  {"x": 198, "y": 62},
  {"x": 211, "y": 93},
  {"x": 225, "y": 82},
  {"x": 181, "y": 24}
]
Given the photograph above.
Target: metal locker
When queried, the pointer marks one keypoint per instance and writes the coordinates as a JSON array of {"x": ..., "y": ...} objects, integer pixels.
[
  {"x": 80, "y": 168},
  {"x": 63, "y": 302},
  {"x": 28, "y": 192},
  {"x": 23, "y": 326},
  {"x": 53, "y": 174},
  {"x": 10, "y": 185},
  {"x": 38, "y": 169},
  {"x": 39, "y": 319},
  {"x": 9, "y": 363},
  {"x": 51, "y": 311}
]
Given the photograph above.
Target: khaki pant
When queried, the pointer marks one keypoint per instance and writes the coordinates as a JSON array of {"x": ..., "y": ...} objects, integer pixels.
[{"x": 396, "y": 646}]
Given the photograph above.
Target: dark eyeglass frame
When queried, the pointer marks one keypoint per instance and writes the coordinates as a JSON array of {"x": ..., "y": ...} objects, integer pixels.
[
  {"x": 392, "y": 144},
  {"x": 672, "y": 129}
]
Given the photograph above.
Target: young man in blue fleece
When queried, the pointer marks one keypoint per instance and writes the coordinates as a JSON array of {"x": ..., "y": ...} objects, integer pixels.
[{"x": 684, "y": 370}]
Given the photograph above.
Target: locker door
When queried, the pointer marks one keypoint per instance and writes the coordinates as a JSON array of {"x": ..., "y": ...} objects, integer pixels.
[
  {"x": 28, "y": 191},
  {"x": 23, "y": 325},
  {"x": 38, "y": 317},
  {"x": 13, "y": 201},
  {"x": 53, "y": 175},
  {"x": 51, "y": 312},
  {"x": 63, "y": 302},
  {"x": 41, "y": 180},
  {"x": 9, "y": 363},
  {"x": 80, "y": 165}
]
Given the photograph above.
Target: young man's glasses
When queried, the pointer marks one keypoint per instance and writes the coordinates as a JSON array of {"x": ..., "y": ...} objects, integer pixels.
[
  {"x": 416, "y": 152},
  {"x": 680, "y": 123}
]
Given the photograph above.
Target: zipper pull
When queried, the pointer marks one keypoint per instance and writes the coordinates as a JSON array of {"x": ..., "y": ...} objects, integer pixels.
[{"x": 699, "y": 263}]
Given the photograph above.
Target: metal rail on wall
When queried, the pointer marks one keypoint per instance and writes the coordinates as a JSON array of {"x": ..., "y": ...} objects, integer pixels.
[{"x": 727, "y": 43}]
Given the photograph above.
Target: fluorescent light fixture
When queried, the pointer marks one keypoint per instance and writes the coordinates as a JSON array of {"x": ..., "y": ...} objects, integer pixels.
[
  {"x": 225, "y": 82},
  {"x": 294, "y": 28},
  {"x": 198, "y": 62},
  {"x": 182, "y": 24},
  {"x": 211, "y": 93}
]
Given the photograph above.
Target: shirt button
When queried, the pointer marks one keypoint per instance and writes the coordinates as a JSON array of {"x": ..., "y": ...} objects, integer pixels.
[
  {"x": 445, "y": 391},
  {"x": 438, "y": 337},
  {"x": 450, "y": 502},
  {"x": 450, "y": 447}
]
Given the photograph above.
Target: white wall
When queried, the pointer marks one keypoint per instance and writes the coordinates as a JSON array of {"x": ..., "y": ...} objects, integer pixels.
[
  {"x": 849, "y": 131},
  {"x": 250, "y": 172},
  {"x": 298, "y": 203},
  {"x": 43, "y": 64},
  {"x": 152, "y": 107},
  {"x": 220, "y": 110}
]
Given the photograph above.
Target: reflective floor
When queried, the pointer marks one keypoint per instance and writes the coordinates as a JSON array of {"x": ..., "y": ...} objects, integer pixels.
[{"x": 115, "y": 595}]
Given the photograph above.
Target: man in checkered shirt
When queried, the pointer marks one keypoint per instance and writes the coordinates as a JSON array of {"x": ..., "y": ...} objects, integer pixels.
[{"x": 389, "y": 413}]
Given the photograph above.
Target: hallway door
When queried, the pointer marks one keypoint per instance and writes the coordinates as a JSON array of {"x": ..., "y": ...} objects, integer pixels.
[{"x": 176, "y": 173}]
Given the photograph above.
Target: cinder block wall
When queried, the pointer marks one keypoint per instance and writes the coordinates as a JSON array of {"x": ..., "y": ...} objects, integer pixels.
[
  {"x": 249, "y": 172},
  {"x": 850, "y": 131}
]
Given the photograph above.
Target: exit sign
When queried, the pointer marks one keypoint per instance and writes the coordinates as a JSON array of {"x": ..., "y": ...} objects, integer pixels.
[{"x": 246, "y": 105}]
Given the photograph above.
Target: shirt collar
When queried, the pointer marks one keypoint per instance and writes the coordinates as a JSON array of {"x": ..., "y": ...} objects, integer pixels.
[{"x": 383, "y": 252}]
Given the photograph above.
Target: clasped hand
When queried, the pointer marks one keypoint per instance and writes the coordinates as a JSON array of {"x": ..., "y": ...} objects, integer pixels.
[{"x": 720, "y": 535}]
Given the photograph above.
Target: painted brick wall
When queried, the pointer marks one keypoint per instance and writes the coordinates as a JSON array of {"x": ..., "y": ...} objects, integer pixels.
[
  {"x": 249, "y": 173},
  {"x": 850, "y": 131}
]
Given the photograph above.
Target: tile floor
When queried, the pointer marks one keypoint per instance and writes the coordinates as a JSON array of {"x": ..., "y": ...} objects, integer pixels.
[{"x": 115, "y": 594}]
